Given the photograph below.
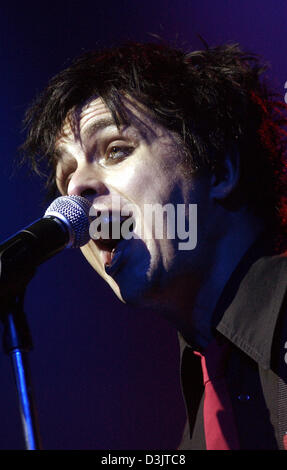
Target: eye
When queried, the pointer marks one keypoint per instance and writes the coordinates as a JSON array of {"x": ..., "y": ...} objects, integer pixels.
[{"x": 118, "y": 153}]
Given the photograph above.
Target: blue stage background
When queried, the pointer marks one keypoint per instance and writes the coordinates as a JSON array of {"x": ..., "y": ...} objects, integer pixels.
[{"x": 106, "y": 376}]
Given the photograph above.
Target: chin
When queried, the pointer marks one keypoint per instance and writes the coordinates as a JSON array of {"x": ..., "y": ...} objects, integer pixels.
[
  {"x": 135, "y": 281},
  {"x": 91, "y": 255},
  {"x": 129, "y": 283}
]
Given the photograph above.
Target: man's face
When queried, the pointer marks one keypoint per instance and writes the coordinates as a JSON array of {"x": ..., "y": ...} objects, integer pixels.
[{"x": 139, "y": 165}]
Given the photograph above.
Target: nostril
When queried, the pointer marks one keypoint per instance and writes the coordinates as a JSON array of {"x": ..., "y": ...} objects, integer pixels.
[{"x": 89, "y": 194}]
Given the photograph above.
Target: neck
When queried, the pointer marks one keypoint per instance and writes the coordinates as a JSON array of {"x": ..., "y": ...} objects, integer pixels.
[{"x": 193, "y": 313}]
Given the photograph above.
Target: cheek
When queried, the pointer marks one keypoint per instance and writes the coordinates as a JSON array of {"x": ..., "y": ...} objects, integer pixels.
[
  {"x": 147, "y": 183},
  {"x": 135, "y": 183},
  {"x": 149, "y": 174}
]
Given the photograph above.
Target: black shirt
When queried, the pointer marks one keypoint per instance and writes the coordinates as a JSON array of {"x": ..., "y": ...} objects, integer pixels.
[{"x": 251, "y": 316}]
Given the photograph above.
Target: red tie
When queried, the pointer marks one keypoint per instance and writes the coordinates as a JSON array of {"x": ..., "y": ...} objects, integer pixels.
[{"x": 219, "y": 426}]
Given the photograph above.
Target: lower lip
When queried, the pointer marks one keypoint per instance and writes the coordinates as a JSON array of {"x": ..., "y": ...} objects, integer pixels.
[{"x": 112, "y": 268}]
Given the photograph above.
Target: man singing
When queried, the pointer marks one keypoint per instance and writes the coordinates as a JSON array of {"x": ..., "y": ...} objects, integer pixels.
[{"x": 148, "y": 125}]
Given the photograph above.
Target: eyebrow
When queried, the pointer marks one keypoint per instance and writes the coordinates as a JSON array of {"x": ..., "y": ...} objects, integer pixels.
[
  {"x": 90, "y": 130},
  {"x": 98, "y": 126}
]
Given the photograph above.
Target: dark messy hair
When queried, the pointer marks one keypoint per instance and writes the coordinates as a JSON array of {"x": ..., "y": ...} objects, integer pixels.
[{"x": 213, "y": 99}]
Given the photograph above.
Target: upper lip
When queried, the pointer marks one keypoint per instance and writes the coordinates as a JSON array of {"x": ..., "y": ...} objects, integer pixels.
[{"x": 108, "y": 244}]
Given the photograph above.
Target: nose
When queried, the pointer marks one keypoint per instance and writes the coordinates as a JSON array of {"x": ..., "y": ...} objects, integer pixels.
[{"x": 86, "y": 182}]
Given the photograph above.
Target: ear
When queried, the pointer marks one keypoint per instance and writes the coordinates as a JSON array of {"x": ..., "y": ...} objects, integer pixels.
[{"x": 225, "y": 177}]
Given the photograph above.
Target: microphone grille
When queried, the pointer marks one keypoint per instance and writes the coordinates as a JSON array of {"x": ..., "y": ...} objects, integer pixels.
[{"x": 74, "y": 212}]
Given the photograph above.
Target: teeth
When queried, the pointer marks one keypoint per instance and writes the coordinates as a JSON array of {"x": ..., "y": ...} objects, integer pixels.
[
  {"x": 112, "y": 266},
  {"x": 109, "y": 225}
]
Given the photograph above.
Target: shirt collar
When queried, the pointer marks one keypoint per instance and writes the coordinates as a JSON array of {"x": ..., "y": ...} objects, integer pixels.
[
  {"x": 248, "y": 309},
  {"x": 250, "y": 320}
]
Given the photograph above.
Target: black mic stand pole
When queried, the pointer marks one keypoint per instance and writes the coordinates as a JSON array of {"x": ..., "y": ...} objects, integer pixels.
[{"x": 17, "y": 343}]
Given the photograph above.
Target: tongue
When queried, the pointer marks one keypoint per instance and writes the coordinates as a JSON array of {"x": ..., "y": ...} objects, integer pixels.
[{"x": 107, "y": 257}]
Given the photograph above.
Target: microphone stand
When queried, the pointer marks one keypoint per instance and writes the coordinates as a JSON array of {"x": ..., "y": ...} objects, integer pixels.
[{"x": 17, "y": 343}]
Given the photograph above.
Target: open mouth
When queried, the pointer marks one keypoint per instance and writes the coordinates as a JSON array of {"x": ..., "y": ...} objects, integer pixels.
[
  {"x": 111, "y": 248},
  {"x": 107, "y": 249}
]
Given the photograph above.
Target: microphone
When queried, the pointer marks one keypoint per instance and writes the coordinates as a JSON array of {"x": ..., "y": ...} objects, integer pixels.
[{"x": 65, "y": 225}]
